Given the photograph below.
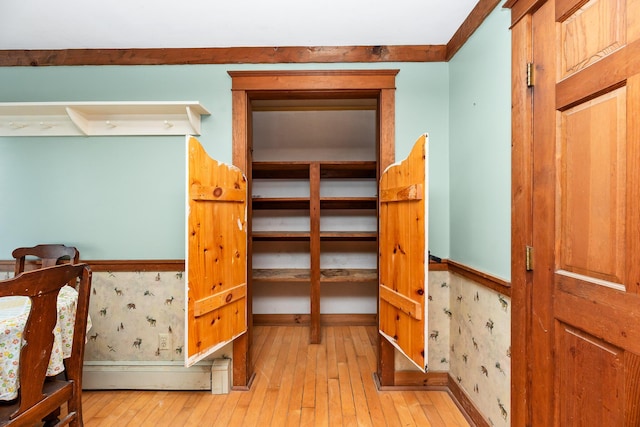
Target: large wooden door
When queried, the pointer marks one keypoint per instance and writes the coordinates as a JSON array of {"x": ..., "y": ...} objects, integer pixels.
[
  {"x": 216, "y": 254},
  {"x": 404, "y": 257},
  {"x": 585, "y": 308}
]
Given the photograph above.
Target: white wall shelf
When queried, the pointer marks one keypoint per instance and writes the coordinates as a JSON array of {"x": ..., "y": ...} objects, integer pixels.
[{"x": 100, "y": 118}]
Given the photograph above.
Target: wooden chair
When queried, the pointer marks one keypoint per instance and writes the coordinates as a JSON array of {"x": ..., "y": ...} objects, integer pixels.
[
  {"x": 48, "y": 254},
  {"x": 38, "y": 398}
]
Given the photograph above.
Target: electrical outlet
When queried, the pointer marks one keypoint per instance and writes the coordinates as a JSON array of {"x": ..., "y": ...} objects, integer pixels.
[{"x": 164, "y": 341}]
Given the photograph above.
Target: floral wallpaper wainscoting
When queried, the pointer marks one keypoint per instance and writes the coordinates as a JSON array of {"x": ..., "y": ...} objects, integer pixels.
[
  {"x": 481, "y": 347},
  {"x": 439, "y": 319},
  {"x": 469, "y": 330},
  {"x": 129, "y": 310}
]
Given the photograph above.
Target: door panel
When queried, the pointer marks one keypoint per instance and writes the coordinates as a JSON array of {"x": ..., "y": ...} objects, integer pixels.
[
  {"x": 581, "y": 46},
  {"x": 591, "y": 194},
  {"x": 585, "y": 326},
  {"x": 404, "y": 258},
  {"x": 216, "y": 254},
  {"x": 593, "y": 399}
]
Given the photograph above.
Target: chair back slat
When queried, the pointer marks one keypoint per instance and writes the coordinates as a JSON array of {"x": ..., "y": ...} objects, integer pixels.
[
  {"x": 49, "y": 254},
  {"x": 36, "y": 352}
]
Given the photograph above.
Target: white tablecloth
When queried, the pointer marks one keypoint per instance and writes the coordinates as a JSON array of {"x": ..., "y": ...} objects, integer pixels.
[{"x": 13, "y": 318}]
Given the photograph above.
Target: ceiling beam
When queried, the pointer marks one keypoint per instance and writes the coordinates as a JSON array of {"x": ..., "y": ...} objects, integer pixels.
[
  {"x": 231, "y": 55},
  {"x": 253, "y": 55}
]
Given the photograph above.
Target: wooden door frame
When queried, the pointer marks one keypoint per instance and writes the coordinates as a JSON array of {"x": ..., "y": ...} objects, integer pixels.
[
  {"x": 248, "y": 85},
  {"x": 521, "y": 206},
  {"x": 521, "y": 219}
]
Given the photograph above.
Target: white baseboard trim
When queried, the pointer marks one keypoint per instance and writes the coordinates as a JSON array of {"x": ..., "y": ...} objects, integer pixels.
[{"x": 125, "y": 375}]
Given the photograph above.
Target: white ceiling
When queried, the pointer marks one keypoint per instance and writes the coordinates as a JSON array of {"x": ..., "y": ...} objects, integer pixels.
[{"x": 69, "y": 24}]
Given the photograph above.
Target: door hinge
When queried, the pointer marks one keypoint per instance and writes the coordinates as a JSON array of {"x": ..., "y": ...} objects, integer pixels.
[
  {"x": 528, "y": 258},
  {"x": 529, "y": 74}
]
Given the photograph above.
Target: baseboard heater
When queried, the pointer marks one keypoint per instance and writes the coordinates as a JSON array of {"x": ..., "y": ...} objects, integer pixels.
[{"x": 211, "y": 375}]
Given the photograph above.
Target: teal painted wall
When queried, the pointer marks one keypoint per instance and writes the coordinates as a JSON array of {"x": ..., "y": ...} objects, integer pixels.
[
  {"x": 480, "y": 148},
  {"x": 422, "y": 106},
  {"x": 123, "y": 197}
]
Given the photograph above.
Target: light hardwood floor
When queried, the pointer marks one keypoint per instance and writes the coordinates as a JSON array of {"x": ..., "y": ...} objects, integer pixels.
[{"x": 296, "y": 384}]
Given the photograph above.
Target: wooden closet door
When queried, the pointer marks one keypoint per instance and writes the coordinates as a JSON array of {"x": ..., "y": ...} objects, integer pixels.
[
  {"x": 585, "y": 312},
  {"x": 404, "y": 258},
  {"x": 216, "y": 258}
]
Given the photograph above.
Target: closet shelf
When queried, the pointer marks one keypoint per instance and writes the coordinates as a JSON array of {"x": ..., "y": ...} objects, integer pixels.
[
  {"x": 348, "y": 202},
  {"x": 100, "y": 118},
  {"x": 349, "y": 236},
  {"x": 280, "y": 170},
  {"x": 304, "y": 236},
  {"x": 280, "y": 203},
  {"x": 304, "y": 275},
  {"x": 292, "y": 236},
  {"x": 348, "y": 169},
  {"x": 325, "y": 202},
  {"x": 300, "y": 169}
]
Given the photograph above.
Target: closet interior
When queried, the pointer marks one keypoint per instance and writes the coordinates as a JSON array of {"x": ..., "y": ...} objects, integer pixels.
[{"x": 313, "y": 225}]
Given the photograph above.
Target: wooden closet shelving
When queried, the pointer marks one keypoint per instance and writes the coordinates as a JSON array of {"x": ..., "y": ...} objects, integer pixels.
[
  {"x": 304, "y": 275},
  {"x": 348, "y": 202},
  {"x": 316, "y": 173},
  {"x": 280, "y": 203}
]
